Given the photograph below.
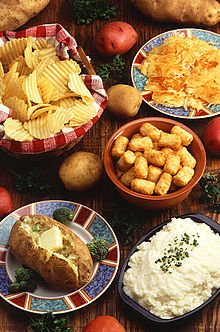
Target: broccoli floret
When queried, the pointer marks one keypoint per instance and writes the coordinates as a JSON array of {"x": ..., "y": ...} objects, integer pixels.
[
  {"x": 14, "y": 287},
  {"x": 63, "y": 214},
  {"x": 26, "y": 280},
  {"x": 98, "y": 248},
  {"x": 23, "y": 274}
]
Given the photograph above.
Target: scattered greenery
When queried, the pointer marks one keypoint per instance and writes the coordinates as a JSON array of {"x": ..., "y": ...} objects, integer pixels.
[
  {"x": 50, "y": 323},
  {"x": 113, "y": 72},
  {"x": 26, "y": 280},
  {"x": 63, "y": 214},
  {"x": 210, "y": 184},
  {"x": 177, "y": 252},
  {"x": 125, "y": 221},
  {"x": 87, "y": 11},
  {"x": 32, "y": 181},
  {"x": 98, "y": 248}
]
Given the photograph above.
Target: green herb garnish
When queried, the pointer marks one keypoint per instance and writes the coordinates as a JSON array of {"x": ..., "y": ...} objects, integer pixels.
[
  {"x": 32, "y": 181},
  {"x": 210, "y": 184},
  {"x": 36, "y": 228},
  {"x": 176, "y": 252},
  {"x": 87, "y": 11},
  {"x": 49, "y": 322},
  {"x": 25, "y": 280},
  {"x": 113, "y": 72}
]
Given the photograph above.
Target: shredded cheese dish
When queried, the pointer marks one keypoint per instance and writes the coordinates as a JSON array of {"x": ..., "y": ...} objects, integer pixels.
[{"x": 183, "y": 72}]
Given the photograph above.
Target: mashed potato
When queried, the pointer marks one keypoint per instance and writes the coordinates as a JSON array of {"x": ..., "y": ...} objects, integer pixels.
[{"x": 177, "y": 270}]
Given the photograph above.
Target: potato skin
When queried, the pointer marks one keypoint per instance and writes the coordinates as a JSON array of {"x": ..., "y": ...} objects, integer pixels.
[
  {"x": 124, "y": 101},
  {"x": 54, "y": 270},
  {"x": 197, "y": 12},
  {"x": 115, "y": 38},
  {"x": 81, "y": 171}
]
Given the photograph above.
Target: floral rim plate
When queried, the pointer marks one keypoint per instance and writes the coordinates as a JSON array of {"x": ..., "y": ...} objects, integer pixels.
[
  {"x": 87, "y": 224},
  {"x": 139, "y": 80}
]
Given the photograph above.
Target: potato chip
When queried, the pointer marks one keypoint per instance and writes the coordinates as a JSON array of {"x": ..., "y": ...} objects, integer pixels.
[
  {"x": 31, "y": 61},
  {"x": 13, "y": 87},
  {"x": 12, "y": 49},
  {"x": 42, "y": 110},
  {"x": 22, "y": 67},
  {"x": 19, "y": 108},
  {"x": 42, "y": 65},
  {"x": 41, "y": 127},
  {"x": 2, "y": 88},
  {"x": 32, "y": 109},
  {"x": 31, "y": 88},
  {"x": 58, "y": 73},
  {"x": 77, "y": 85},
  {"x": 67, "y": 102},
  {"x": 2, "y": 73},
  {"x": 14, "y": 129},
  {"x": 61, "y": 116},
  {"x": 39, "y": 44},
  {"x": 83, "y": 113}
]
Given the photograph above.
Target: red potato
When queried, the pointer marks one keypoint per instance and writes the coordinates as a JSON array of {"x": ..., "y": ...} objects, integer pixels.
[
  {"x": 5, "y": 203},
  {"x": 211, "y": 136},
  {"x": 104, "y": 324},
  {"x": 115, "y": 38}
]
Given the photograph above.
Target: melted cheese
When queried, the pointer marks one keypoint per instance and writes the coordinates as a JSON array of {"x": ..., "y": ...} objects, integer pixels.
[{"x": 51, "y": 239}]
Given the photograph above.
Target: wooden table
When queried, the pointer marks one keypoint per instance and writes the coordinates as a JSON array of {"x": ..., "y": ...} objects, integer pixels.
[{"x": 14, "y": 320}]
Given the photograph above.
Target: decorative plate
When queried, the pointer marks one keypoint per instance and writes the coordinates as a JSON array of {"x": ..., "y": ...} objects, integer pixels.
[
  {"x": 87, "y": 224},
  {"x": 197, "y": 217},
  {"x": 139, "y": 80}
]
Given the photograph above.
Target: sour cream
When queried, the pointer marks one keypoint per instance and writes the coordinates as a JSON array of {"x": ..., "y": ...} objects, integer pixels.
[{"x": 177, "y": 270}]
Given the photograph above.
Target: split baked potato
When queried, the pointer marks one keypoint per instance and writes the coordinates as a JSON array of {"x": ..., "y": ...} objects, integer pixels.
[
  {"x": 197, "y": 12},
  {"x": 51, "y": 249}
]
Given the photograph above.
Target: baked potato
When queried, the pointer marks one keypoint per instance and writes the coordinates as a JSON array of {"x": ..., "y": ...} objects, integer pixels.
[{"x": 51, "y": 249}]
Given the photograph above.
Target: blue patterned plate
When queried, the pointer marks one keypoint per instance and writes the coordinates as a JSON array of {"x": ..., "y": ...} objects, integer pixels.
[
  {"x": 87, "y": 224},
  {"x": 139, "y": 80}
]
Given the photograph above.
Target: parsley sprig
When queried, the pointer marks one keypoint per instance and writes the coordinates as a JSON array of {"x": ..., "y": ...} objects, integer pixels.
[
  {"x": 32, "y": 181},
  {"x": 49, "y": 322},
  {"x": 87, "y": 11},
  {"x": 210, "y": 185},
  {"x": 113, "y": 72}
]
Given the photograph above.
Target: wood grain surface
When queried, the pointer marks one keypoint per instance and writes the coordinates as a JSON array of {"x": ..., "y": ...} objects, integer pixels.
[{"x": 99, "y": 198}]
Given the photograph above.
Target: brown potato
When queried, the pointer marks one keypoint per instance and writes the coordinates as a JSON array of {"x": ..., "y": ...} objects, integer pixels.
[
  {"x": 124, "y": 101},
  {"x": 81, "y": 171}
]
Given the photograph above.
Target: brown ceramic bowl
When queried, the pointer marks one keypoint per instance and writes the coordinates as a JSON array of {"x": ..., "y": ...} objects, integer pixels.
[{"x": 196, "y": 148}]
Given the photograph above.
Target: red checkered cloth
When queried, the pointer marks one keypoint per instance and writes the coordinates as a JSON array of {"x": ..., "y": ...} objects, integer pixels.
[{"x": 66, "y": 47}]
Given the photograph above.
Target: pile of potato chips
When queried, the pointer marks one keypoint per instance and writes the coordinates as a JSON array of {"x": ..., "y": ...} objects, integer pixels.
[{"x": 45, "y": 93}]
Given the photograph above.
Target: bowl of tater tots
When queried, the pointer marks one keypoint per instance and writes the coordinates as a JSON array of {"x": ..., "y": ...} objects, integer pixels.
[{"x": 154, "y": 162}]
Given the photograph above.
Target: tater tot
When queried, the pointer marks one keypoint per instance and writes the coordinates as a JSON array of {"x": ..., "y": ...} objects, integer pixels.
[
  {"x": 186, "y": 159},
  {"x": 129, "y": 157},
  {"x": 167, "y": 150},
  {"x": 186, "y": 137},
  {"x": 121, "y": 164},
  {"x": 127, "y": 177},
  {"x": 120, "y": 146},
  {"x": 140, "y": 144},
  {"x": 154, "y": 173},
  {"x": 157, "y": 158},
  {"x": 138, "y": 135},
  {"x": 156, "y": 146},
  {"x": 147, "y": 129},
  {"x": 143, "y": 186},
  {"x": 163, "y": 184},
  {"x": 183, "y": 176},
  {"x": 119, "y": 172},
  {"x": 141, "y": 168},
  {"x": 172, "y": 164},
  {"x": 172, "y": 141},
  {"x": 138, "y": 154}
]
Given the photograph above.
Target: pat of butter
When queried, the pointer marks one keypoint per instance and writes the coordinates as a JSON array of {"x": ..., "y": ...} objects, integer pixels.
[{"x": 51, "y": 239}]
